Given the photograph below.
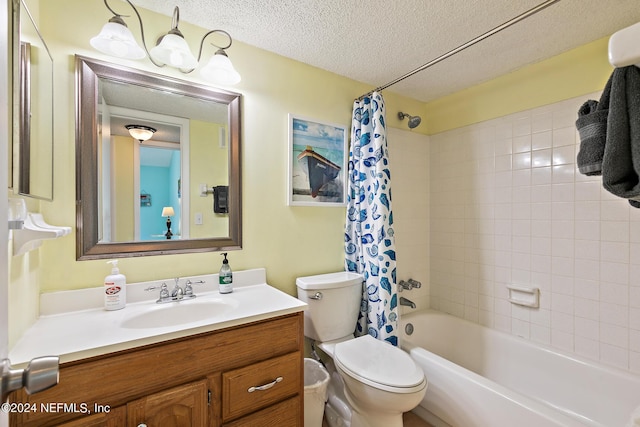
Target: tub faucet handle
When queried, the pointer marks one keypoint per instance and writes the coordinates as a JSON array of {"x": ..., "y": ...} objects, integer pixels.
[
  {"x": 414, "y": 283},
  {"x": 402, "y": 285}
]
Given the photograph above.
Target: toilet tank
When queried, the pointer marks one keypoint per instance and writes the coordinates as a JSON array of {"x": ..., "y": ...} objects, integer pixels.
[{"x": 334, "y": 304}]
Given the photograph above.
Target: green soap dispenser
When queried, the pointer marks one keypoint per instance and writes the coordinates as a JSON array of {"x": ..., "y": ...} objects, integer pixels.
[{"x": 225, "y": 277}]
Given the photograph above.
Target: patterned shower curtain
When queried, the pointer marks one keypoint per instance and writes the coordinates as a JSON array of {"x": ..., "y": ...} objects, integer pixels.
[{"x": 369, "y": 241}]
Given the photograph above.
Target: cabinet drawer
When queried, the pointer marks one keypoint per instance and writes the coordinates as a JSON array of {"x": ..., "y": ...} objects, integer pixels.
[
  {"x": 281, "y": 414},
  {"x": 256, "y": 386}
]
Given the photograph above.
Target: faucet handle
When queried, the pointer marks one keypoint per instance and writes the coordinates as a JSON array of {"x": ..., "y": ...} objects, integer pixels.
[
  {"x": 414, "y": 283},
  {"x": 188, "y": 287},
  {"x": 402, "y": 285},
  {"x": 164, "y": 291}
]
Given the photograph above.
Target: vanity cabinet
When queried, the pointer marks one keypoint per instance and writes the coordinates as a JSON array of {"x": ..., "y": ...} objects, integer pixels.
[
  {"x": 183, "y": 406},
  {"x": 116, "y": 417},
  {"x": 247, "y": 375}
]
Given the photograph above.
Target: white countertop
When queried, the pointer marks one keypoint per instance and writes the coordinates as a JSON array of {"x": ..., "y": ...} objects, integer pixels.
[{"x": 73, "y": 331}]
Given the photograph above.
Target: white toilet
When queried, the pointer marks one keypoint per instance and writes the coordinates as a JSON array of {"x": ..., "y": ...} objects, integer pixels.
[{"x": 373, "y": 382}]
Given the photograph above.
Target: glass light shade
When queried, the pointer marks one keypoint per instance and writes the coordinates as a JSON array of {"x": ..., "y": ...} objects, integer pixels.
[
  {"x": 174, "y": 51},
  {"x": 219, "y": 69},
  {"x": 168, "y": 211},
  {"x": 141, "y": 133},
  {"x": 117, "y": 40}
]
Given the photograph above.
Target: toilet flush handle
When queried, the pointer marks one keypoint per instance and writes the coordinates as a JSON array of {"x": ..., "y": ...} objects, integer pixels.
[{"x": 316, "y": 296}]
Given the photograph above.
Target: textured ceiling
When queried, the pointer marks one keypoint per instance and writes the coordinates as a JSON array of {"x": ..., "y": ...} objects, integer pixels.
[{"x": 376, "y": 41}]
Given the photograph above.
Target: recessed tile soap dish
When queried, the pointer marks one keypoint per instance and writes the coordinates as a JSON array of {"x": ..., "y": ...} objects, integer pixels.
[{"x": 528, "y": 297}]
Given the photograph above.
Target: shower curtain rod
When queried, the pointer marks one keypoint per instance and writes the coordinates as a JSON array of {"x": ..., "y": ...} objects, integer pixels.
[{"x": 462, "y": 47}]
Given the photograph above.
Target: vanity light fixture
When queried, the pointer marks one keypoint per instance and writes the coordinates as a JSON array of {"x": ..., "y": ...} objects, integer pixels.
[
  {"x": 168, "y": 212},
  {"x": 140, "y": 132},
  {"x": 172, "y": 49}
]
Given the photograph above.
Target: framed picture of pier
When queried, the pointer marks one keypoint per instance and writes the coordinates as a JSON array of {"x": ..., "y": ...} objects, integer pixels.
[{"x": 317, "y": 163}]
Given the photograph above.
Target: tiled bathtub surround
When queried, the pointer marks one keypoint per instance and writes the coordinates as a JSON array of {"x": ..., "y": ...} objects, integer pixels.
[
  {"x": 409, "y": 153},
  {"x": 508, "y": 206}
]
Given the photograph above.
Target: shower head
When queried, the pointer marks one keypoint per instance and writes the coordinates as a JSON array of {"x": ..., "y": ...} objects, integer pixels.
[{"x": 414, "y": 121}]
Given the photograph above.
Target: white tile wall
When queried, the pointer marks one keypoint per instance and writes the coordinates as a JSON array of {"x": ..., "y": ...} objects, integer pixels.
[
  {"x": 409, "y": 162},
  {"x": 508, "y": 206}
]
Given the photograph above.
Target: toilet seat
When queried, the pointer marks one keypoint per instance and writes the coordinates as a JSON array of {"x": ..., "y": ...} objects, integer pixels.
[{"x": 379, "y": 365}]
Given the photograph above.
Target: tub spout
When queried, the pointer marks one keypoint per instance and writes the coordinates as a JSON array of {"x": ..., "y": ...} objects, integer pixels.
[{"x": 408, "y": 303}]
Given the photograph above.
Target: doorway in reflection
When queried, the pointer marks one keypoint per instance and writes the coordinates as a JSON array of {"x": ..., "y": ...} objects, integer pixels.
[
  {"x": 139, "y": 177},
  {"x": 160, "y": 187}
]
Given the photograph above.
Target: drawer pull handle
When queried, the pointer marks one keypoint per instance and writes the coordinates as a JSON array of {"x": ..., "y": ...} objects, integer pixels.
[{"x": 266, "y": 386}]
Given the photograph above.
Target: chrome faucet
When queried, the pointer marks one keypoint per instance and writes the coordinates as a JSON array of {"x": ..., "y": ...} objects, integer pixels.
[
  {"x": 177, "y": 293},
  {"x": 408, "y": 303},
  {"x": 408, "y": 285},
  {"x": 414, "y": 283},
  {"x": 404, "y": 286}
]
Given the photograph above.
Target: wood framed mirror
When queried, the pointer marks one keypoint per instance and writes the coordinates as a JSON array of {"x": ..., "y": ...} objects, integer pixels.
[{"x": 196, "y": 126}]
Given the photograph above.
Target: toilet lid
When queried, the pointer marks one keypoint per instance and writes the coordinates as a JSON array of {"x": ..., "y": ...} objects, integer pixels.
[{"x": 378, "y": 362}]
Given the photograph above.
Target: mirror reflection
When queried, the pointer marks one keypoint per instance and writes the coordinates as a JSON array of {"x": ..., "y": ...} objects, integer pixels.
[
  {"x": 145, "y": 154},
  {"x": 147, "y": 146},
  {"x": 34, "y": 92}
]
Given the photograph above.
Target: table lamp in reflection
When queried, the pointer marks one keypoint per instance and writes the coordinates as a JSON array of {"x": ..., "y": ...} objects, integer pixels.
[{"x": 168, "y": 212}]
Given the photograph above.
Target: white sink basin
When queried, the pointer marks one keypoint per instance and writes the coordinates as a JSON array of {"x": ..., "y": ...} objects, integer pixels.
[{"x": 178, "y": 313}]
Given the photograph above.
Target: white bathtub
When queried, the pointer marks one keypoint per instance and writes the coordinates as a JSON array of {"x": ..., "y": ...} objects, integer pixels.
[{"x": 486, "y": 378}]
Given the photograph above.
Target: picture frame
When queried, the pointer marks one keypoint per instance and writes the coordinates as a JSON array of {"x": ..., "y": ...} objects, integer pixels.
[
  {"x": 318, "y": 156},
  {"x": 145, "y": 199}
]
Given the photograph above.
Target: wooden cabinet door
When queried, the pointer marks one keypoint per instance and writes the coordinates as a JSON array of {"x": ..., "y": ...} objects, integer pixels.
[
  {"x": 183, "y": 406},
  {"x": 116, "y": 417}
]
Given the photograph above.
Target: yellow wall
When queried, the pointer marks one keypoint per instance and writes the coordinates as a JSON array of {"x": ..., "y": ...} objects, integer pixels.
[
  {"x": 123, "y": 188},
  {"x": 573, "y": 73},
  {"x": 209, "y": 165}
]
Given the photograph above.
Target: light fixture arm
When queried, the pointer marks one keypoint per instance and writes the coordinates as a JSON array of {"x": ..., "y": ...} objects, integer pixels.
[
  {"x": 144, "y": 43},
  {"x": 220, "y": 48},
  {"x": 175, "y": 19},
  {"x": 113, "y": 11}
]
